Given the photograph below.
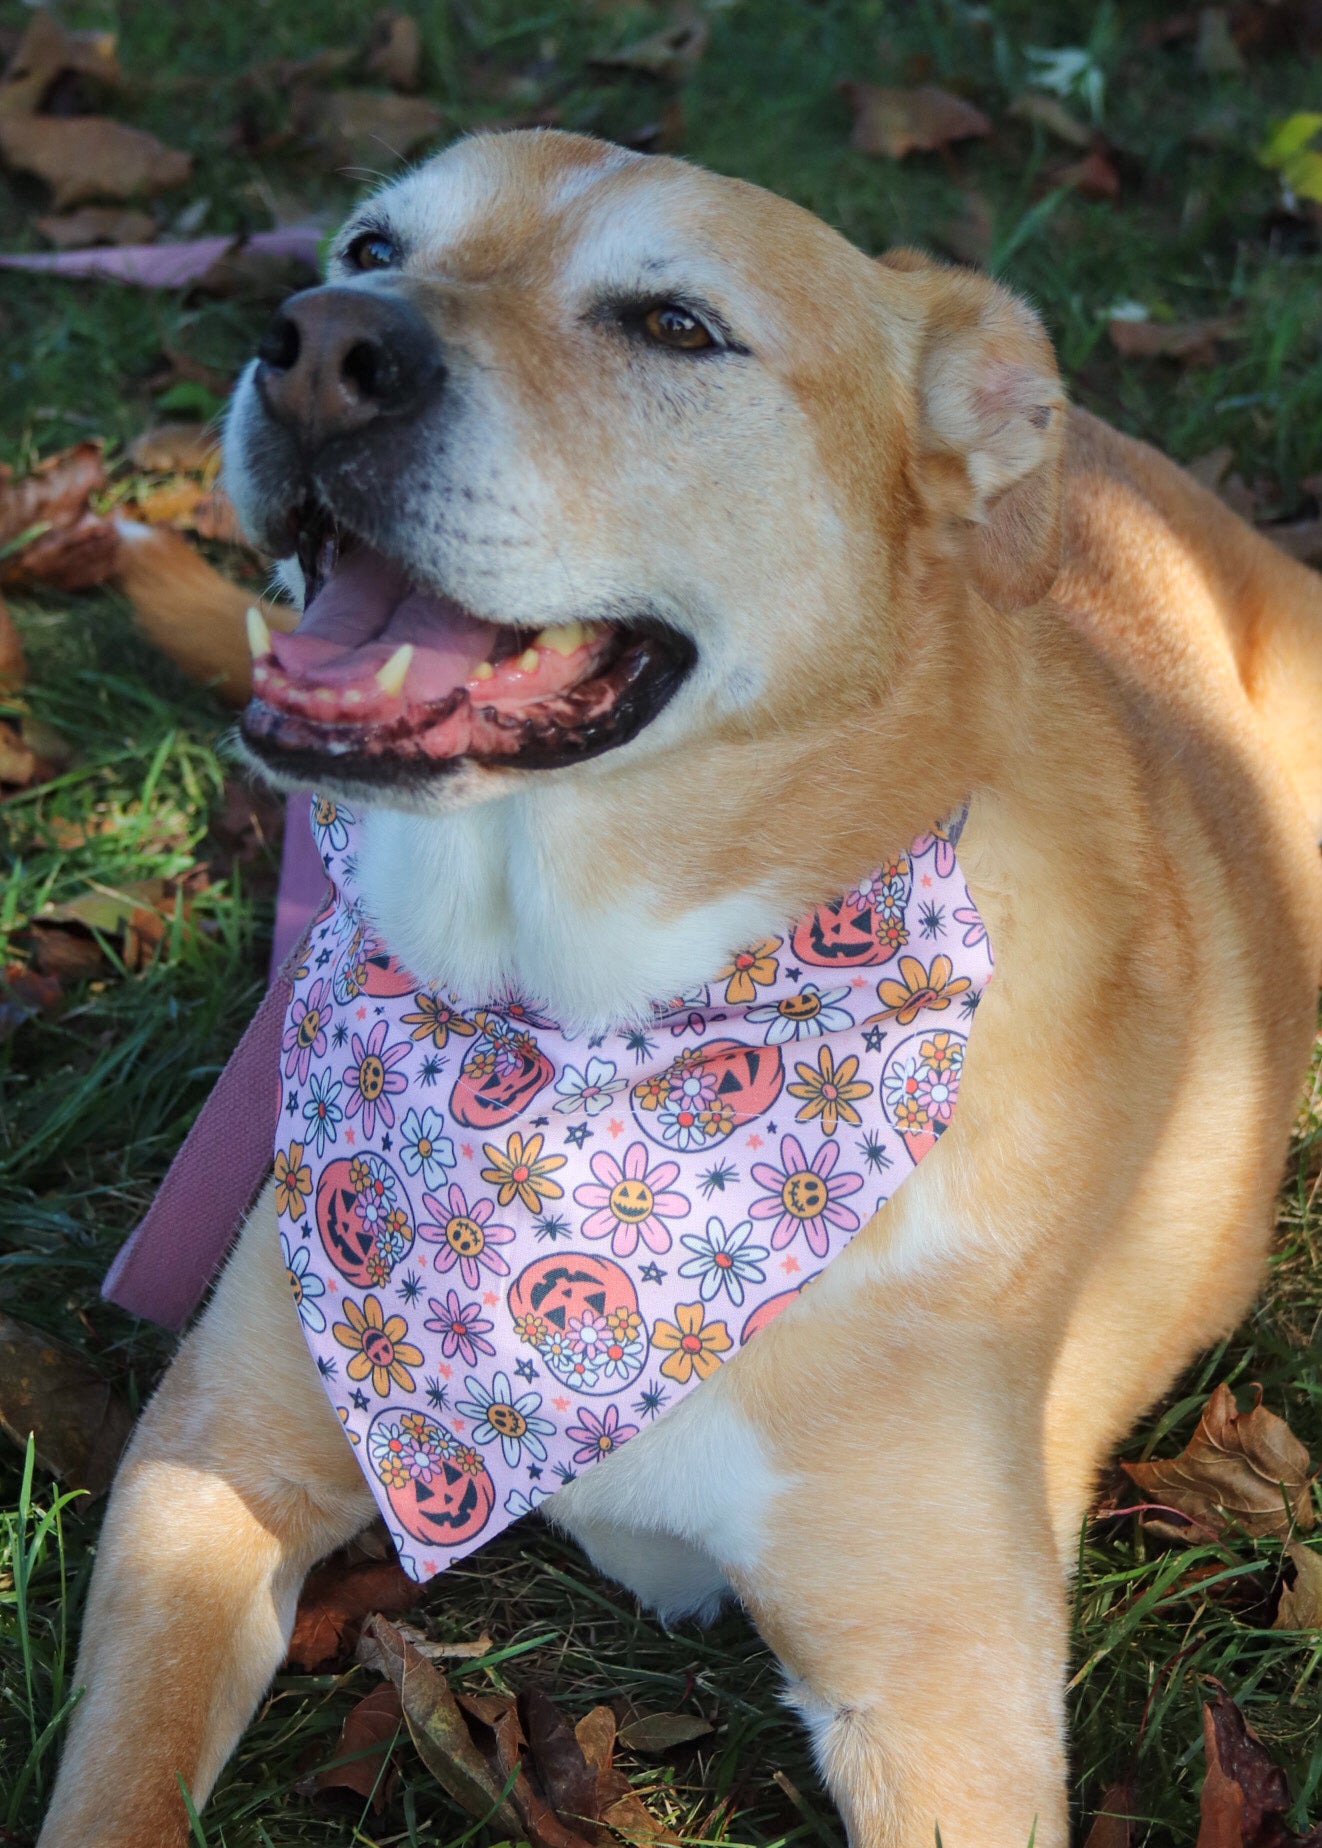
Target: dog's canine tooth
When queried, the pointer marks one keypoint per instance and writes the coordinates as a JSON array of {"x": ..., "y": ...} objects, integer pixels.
[
  {"x": 390, "y": 678},
  {"x": 564, "y": 639},
  {"x": 483, "y": 671},
  {"x": 259, "y": 636}
]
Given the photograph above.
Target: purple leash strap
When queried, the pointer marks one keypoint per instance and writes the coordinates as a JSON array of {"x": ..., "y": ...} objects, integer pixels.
[{"x": 164, "y": 1267}]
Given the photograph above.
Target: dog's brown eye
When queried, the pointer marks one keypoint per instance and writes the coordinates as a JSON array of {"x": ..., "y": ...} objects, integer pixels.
[
  {"x": 372, "y": 251},
  {"x": 676, "y": 327}
]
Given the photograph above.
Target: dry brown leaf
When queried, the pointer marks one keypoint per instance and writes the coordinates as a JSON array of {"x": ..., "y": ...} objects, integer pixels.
[
  {"x": 370, "y": 1729},
  {"x": 1193, "y": 343},
  {"x": 659, "y": 1732},
  {"x": 13, "y": 666},
  {"x": 24, "y": 994},
  {"x": 189, "y": 610},
  {"x": 96, "y": 224},
  {"x": 569, "y": 1781},
  {"x": 66, "y": 955},
  {"x": 436, "y": 1724},
  {"x": 1239, "y": 1470},
  {"x": 668, "y": 55},
  {"x": 169, "y": 447},
  {"x": 1050, "y": 113},
  {"x": 1093, "y": 177},
  {"x": 595, "y": 1733},
  {"x": 1300, "y": 1607},
  {"x": 335, "y": 1601},
  {"x": 445, "y": 1652},
  {"x": 80, "y": 1423},
  {"x": 394, "y": 51},
  {"x": 1245, "y": 1796},
  {"x": 367, "y": 126},
  {"x": 1112, "y": 1828},
  {"x": 74, "y": 556},
  {"x": 900, "y": 122},
  {"x": 91, "y": 157},
  {"x": 47, "y": 52},
  {"x": 52, "y": 493}
]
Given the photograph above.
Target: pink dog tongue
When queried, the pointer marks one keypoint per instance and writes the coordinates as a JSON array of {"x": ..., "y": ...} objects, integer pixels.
[{"x": 363, "y": 613}]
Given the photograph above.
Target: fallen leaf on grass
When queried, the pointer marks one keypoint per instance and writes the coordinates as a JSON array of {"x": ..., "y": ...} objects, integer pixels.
[
  {"x": 47, "y": 52},
  {"x": 91, "y": 157},
  {"x": 668, "y": 55},
  {"x": 191, "y": 611},
  {"x": 569, "y": 1780},
  {"x": 13, "y": 667},
  {"x": 66, "y": 955},
  {"x": 445, "y": 1652},
  {"x": 1239, "y": 1470},
  {"x": 75, "y": 556},
  {"x": 1111, "y": 1827},
  {"x": 336, "y": 1600},
  {"x": 24, "y": 994},
  {"x": 369, "y": 1731},
  {"x": 96, "y": 224},
  {"x": 1300, "y": 1607},
  {"x": 1050, "y": 113},
  {"x": 1245, "y": 1797},
  {"x": 169, "y": 447},
  {"x": 203, "y": 262},
  {"x": 1192, "y": 343},
  {"x": 52, "y": 493},
  {"x": 900, "y": 122},
  {"x": 79, "y": 1422},
  {"x": 659, "y": 1732},
  {"x": 435, "y": 1724},
  {"x": 359, "y": 126},
  {"x": 394, "y": 51},
  {"x": 137, "y": 915}
]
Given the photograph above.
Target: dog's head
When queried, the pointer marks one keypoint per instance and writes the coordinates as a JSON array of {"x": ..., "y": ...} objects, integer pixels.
[{"x": 586, "y": 455}]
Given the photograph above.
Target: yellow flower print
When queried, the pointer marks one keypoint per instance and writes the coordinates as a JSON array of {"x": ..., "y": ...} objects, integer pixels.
[
  {"x": 695, "y": 1346},
  {"x": 436, "y": 1020},
  {"x": 750, "y": 970},
  {"x": 522, "y": 1169},
  {"x": 293, "y": 1181},
  {"x": 919, "y": 988},
  {"x": 829, "y": 1093},
  {"x": 378, "y": 1345}
]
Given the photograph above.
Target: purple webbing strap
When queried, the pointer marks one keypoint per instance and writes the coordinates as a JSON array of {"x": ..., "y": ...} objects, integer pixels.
[{"x": 164, "y": 1267}]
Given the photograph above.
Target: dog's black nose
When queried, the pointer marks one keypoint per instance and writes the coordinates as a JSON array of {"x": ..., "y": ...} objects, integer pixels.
[{"x": 333, "y": 360}]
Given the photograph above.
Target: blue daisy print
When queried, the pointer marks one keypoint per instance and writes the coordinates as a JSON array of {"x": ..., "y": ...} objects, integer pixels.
[{"x": 498, "y": 1414}]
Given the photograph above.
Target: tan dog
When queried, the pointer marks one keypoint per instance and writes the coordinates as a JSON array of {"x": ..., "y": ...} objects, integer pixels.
[{"x": 876, "y": 567}]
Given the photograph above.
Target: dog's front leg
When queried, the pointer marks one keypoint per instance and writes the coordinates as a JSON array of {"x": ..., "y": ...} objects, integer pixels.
[
  {"x": 238, "y": 1479},
  {"x": 905, "y": 1572}
]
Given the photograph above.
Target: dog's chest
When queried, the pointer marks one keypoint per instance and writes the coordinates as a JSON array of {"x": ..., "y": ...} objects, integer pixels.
[{"x": 513, "y": 1246}]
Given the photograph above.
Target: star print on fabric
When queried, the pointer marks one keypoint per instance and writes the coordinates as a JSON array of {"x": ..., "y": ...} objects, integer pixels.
[
  {"x": 615, "y": 1127},
  {"x": 789, "y": 1265},
  {"x": 857, "y": 982},
  {"x": 358, "y": 1399},
  {"x": 386, "y": 1143},
  {"x": 351, "y": 1137},
  {"x": 754, "y": 1141},
  {"x": 652, "y": 1273},
  {"x": 466, "y": 1150},
  {"x": 323, "y": 959},
  {"x": 378, "y": 1011},
  {"x": 525, "y": 1370},
  {"x": 577, "y": 1134},
  {"x": 793, "y": 975},
  {"x": 360, "y": 1013},
  {"x": 771, "y": 1128},
  {"x": 291, "y": 1104},
  {"x": 305, "y": 1230},
  {"x": 534, "y": 1472},
  {"x": 598, "y": 1039},
  {"x": 560, "y": 1402},
  {"x": 490, "y": 1298},
  {"x": 873, "y": 1037},
  {"x": 926, "y": 879},
  {"x": 540, "y": 1122}
]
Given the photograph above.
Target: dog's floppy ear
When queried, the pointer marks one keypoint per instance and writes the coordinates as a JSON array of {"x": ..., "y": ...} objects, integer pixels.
[{"x": 992, "y": 410}]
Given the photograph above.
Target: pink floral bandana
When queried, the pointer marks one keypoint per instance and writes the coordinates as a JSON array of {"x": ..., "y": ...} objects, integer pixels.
[{"x": 512, "y": 1246}]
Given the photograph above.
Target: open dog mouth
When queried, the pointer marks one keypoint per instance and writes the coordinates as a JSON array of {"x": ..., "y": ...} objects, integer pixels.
[{"x": 383, "y": 681}]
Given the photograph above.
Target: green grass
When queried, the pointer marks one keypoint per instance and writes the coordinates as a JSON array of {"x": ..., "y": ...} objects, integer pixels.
[{"x": 96, "y": 1098}]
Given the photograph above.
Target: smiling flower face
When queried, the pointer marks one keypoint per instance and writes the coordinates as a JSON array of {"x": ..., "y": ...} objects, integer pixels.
[
  {"x": 466, "y": 1236},
  {"x": 631, "y": 1201},
  {"x": 502, "y": 1415},
  {"x": 806, "y": 1196},
  {"x": 377, "y": 1343}
]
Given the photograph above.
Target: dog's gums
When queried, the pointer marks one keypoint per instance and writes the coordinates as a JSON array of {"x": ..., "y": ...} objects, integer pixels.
[{"x": 389, "y": 681}]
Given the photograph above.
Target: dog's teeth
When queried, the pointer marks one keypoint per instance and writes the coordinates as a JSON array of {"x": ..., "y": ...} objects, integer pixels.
[
  {"x": 527, "y": 662},
  {"x": 483, "y": 671},
  {"x": 390, "y": 678},
  {"x": 259, "y": 636},
  {"x": 566, "y": 637}
]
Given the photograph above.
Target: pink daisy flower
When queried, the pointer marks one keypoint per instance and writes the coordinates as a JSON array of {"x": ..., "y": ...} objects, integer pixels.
[{"x": 631, "y": 1201}]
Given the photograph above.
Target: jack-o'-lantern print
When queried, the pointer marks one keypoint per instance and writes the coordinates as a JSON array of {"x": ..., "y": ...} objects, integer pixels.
[
  {"x": 438, "y": 1489},
  {"x": 580, "y": 1313},
  {"x": 503, "y": 1071},
  {"x": 364, "y": 1218},
  {"x": 707, "y": 1093},
  {"x": 530, "y": 1238},
  {"x": 920, "y": 1087}
]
